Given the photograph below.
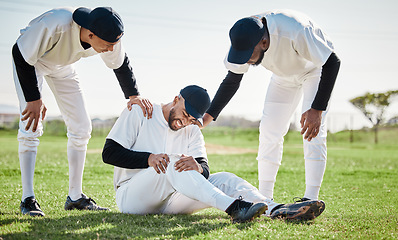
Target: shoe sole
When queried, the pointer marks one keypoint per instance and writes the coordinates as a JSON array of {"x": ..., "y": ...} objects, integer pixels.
[
  {"x": 260, "y": 212},
  {"x": 34, "y": 213},
  {"x": 85, "y": 209},
  {"x": 308, "y": 212}
]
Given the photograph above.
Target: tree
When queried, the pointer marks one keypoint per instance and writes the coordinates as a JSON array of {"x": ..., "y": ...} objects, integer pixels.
[{"x": 373, "y": 106}]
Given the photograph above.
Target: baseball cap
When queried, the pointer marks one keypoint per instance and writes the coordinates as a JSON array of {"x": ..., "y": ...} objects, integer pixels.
[
  {"x": 197, "y": 101},
  {"x": 245, "y": 34},
  {"x": 102, "y": 21}
]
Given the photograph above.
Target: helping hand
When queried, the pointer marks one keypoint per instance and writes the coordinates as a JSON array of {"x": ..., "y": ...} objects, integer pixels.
[
  {"x": 144, "y": 103},
  {"x": 32, "y": 112},
  {"x": 310, "y": 123}
]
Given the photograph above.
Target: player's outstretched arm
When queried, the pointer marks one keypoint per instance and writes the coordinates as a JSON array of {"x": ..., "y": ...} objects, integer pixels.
[
  {"x": 207, "y": 119},
  {"x": 225, "y": 92}
]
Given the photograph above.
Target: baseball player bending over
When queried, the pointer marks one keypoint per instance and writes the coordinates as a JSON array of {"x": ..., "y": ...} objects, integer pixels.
[
  {"x": 161, "y": 166},
  {"x": 47, "y": 49},
  {"x": 304, "y": 66}
]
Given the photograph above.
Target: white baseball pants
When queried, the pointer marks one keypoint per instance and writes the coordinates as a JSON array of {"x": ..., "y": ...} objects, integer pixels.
[
  {"x": 186, "y": 192},
  {"x": 281, "y": 100},
  {"x": 65, "y": 86}
]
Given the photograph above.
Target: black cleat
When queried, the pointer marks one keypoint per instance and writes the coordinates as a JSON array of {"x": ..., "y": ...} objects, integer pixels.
[
  {"x": 31, "y": 206},
  {"x": 241, "y": 211},
  {"x": 300, "y": 211},
  {"x": 303, "y": 199},
  {"x": 83, "y": 203}
]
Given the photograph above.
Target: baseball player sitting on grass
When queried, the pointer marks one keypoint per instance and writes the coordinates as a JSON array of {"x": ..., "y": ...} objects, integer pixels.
[
  {"x": 47, "y": 49},
  {"x": 161, "y": 166}
]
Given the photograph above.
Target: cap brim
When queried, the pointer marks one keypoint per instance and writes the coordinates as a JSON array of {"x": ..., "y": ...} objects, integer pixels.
[
  {"x": 191, "y": 111},
  {"x": 200, "y": 121},
  {"x": 239, "y": 57},
  {"x": 81, "y": 16}
]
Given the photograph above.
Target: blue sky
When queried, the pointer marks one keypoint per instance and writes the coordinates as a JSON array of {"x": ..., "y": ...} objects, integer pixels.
[{"x": 175, "y": 43}]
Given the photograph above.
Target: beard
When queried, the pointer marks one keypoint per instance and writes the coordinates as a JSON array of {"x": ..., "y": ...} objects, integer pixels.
[
  {"x": 172, "y": 118},
  {"x": 260, "y": 59}
]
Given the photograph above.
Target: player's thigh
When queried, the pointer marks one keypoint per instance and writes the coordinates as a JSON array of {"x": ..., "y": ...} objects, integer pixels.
[
  {"x": 310, "y": 88},
  {"x": 22, "y": 133},
  {"x": 178, "y": 203},
  {"x": 69, "y": 96},
  {"x": 280, "y": 103}
]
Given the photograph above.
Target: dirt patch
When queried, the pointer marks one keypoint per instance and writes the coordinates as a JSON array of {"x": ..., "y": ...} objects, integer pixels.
[{"x": 94, "y": 151}]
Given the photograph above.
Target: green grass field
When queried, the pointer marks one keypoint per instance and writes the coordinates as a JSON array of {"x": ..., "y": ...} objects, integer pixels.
[{"x": 360, "y": 189}]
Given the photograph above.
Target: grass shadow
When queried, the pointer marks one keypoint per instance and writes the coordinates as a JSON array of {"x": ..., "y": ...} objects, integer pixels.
[{"x": 115, "y": 225}]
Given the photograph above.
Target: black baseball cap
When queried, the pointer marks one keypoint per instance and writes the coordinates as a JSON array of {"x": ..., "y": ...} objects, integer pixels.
[
  {"x": 245, "y": 34},
  {"x": 102, "y": 21},
  {"x": 197, "y": 101}
]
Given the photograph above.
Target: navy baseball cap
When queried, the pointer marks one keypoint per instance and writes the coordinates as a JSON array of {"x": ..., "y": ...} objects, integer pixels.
[
  {"x": 245, "y": 34},
  {"x": 102, "y": 21},
  {"x": 197, "y": 101}
]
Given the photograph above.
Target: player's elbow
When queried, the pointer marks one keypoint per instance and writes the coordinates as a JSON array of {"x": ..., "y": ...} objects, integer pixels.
[{"x": 106, "y": 153}]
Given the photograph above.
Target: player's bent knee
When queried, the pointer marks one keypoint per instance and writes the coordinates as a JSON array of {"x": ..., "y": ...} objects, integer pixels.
[
  {"x": 78, "y": 141},
  {"x": 28, "y": 145}
]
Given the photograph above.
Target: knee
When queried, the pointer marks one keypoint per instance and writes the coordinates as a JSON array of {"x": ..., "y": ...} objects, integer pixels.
[
  {"x": 265, "y": 161},
  {"x": 318, "y": 140},
  {"x": 29, "y": 141},
  {"x": 78, "y": 141},
  {"x": 316, "y": 149},
  {"x": 271, "y": 131},
  {"x": 79, "y": 134}
]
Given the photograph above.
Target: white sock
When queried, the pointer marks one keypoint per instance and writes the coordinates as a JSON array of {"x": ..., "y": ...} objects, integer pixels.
[
  {"x": 267, "y": 171},
  {"x": 271, "y": 205},
  {"x": 27, "y": 160},
  {"x": 76, "y": 159},
  {"x": 312, "y": 192},
  {"x": 315, "y": 155},
  {"x": 266, "y": 188},
  {"x": 314, "y": 170}
]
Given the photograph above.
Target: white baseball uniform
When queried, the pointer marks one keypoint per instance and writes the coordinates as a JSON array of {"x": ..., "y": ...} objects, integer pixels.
[
  {"x": 298, "y": 49},
  {"x": 51, "y": 43},
  {"x": 143, "y": 191}
]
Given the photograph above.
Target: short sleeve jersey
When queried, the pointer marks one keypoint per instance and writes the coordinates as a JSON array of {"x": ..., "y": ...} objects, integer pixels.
[
  {"x": 134, "y": 131},
  {"x": 297, "y": 45},
  {"x": 53, "y": 39}
]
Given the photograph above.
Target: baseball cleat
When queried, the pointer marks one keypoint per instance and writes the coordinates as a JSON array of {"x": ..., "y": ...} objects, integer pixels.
[
  {"x": 300, "y": 211},
  {"x": 241, "y": 211},
  {"x": 303, "y": 199},
  {"x": 31, "y": 207},
  {"x": 83, "y": 203}
]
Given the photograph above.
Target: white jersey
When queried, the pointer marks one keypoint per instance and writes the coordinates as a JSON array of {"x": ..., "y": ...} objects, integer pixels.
[
  {"x": 297, "y": 45},
  {"x": 53, "y": 40},
  {"x": 135, "y": 132}
]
